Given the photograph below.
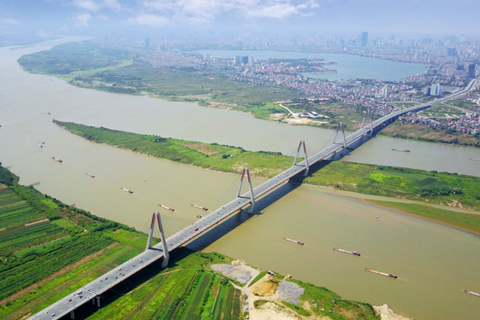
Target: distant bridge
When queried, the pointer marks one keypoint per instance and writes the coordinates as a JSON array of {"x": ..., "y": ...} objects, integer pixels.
[{"x": 93, "y": 290}]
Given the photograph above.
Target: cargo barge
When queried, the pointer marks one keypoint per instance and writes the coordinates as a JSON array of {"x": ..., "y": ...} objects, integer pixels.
[
  {"x": 390, "y": 275},
  {"x": 294, "y": 241},
  {"x": 198, "y": 207},
  {"x": 165, "y": 207},
  {"x": 56, "y": 159},
  {"x": 472, "y": 293},
  {"x": 90, "y": 175},
  {"x": 126, "y": 190},
  {"x": 355, "y": 253},
  {"x": 401, "y": 150}
]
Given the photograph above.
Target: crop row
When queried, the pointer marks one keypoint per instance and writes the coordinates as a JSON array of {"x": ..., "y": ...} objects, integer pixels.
[
  {"x": 19, "y": 274},
  {"x": 28, "y": 236}
]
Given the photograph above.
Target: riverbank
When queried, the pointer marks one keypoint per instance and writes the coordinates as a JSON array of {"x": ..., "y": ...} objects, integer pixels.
[{"x": 149, "y": 294}]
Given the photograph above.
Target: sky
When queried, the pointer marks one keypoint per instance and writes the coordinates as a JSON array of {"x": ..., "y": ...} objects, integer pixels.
[{"x": 85, "y": 17}]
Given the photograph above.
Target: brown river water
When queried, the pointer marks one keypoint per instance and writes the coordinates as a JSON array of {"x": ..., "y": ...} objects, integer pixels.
[{"x": 434, "y": 263}]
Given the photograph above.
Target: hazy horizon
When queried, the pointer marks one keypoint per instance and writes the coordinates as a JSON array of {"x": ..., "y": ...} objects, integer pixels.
[{"x": 92, "y": 17}]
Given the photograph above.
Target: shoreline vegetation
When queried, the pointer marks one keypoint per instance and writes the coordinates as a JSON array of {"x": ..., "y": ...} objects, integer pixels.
[
  {"x": 448, "y": 189},
  {"x": 69, "y": 247},
  {"x": 90, "y": 66}
]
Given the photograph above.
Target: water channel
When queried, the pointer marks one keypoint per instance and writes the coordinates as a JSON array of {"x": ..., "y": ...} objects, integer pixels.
[{"x": 434, "y": 263}]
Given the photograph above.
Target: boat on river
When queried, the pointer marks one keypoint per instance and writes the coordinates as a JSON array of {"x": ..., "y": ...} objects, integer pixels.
[
  {"x": 38, "y": 144},
  {"x": 91, "y": 175},
  {"x": 355, "y": 253},
  {"x": 472, "y": 293},
  {"x": 126, "y": 190},
  {"x": 401, "y": 150},
  {"x": 165, "y": 207},
  {"x": 294, "y": 241},
  {"x": 199, "y": 207},
  {"x": 390, "y": 275},
  {"x": 57, "y": 159}
]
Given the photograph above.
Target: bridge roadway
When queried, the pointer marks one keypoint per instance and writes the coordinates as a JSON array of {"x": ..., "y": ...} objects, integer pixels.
[{"x": 98, "y": 286}]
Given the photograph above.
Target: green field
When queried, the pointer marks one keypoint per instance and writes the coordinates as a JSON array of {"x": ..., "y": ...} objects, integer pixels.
[{"x": 209, "y": 156}]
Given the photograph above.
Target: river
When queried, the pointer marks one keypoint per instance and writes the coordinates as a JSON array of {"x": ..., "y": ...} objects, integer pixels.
[{"x": 434, "y": 263}]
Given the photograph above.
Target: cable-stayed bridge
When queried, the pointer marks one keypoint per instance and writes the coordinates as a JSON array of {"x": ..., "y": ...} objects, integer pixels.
[{"x": 93, "y": 290}]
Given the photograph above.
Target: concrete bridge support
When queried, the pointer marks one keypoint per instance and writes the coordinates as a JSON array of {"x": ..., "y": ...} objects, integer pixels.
[
  {"x": 72, "y": 314},
  {"x": 306, "y": 157},
  {"x": 98, "y": 301},
  {"x": 340, "y": 127},
  {"x": 156, "y": 215},
  {"x": 166, "y": 255},
  {"x": 252, "y": 197},
  {"x": 369, "y": 114}
]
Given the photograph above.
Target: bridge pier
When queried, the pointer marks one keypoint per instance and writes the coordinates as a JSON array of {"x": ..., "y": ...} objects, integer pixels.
[
  {"x": 369, "y": 114},
  {"x": 340, "y": 125},
  {"x": 252, "y": 197},
  {"x": 98, "y": 301},
  {"x": 162, "y": 237},
  {"x": 306, "y": 157},
  {"x": 166, "y": 255},
  {"x": 72, "y": 314}
]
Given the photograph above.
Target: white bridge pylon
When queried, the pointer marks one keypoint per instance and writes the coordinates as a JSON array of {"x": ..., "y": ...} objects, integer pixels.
[
  {"x": 340, "y": 126},
  {"x": 369, "y": 114},
  {"x": 252, "y": 197},
  {"x": 162, "y": 237},
  {"x": 306, "y": 157}
]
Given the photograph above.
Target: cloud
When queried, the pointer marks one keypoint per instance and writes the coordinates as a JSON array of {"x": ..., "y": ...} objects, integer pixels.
[
  {"x": 112, "y": 4},
  {"x": 89, "y": 5},
  {"x": 10, "y": 21},
  {"x": 149, "y": 20},
  {"x": 82, "y": 20},
  {"x": 206, "y": 11},
  {"x": 92, "y": 5}
]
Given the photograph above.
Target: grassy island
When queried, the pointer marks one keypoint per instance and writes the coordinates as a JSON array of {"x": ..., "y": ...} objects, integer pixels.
[
  {"x": 57, "y": 249},
  {"x": 448, "y": 189}
]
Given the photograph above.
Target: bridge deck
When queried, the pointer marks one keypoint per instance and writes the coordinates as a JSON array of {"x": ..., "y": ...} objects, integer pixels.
[{"x": 117, "y": 275}]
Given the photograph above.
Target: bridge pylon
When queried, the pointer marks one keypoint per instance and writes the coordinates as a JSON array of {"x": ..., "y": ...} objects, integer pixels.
[
  {"x": 369, "y": 114},
  {"x": 252, "y": 197},
  {"x": 340, "y": 126},
  {"x": 306, "y": 157},
  {"x": 162, "y": 237}
]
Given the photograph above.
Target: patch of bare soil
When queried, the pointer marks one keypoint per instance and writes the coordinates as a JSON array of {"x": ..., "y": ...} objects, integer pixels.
[{"x": 204, "y": 148}]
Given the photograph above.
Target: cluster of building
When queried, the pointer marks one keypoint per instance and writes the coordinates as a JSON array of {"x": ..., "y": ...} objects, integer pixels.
[{"x": 468, "y": 124}]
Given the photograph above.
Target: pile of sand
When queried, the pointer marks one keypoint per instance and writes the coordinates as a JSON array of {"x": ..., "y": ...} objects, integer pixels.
[
  {"x": 240, "y": 273},
  {"x": 387, "y": 314}
]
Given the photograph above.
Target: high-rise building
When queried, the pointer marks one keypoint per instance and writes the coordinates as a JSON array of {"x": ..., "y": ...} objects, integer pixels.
[
  {"x": 471, "y": 70},
  {"x": 436, "y": 90},
  {"x": 244, "y": 59},
  {"x": 206, "y": 56},
  {"x": 385, "y": 92},
  {"x": 364, "y": 39},
  {"x": 147, "y": 43},
  {"x": 250, "y": 61},
  {"x": 237, "y": 60}
]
